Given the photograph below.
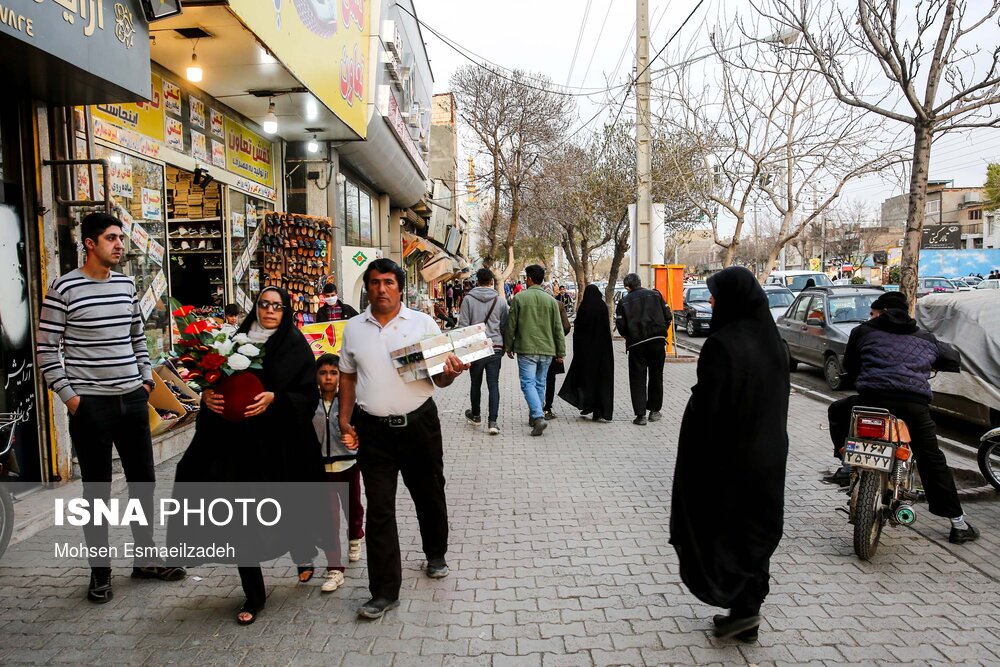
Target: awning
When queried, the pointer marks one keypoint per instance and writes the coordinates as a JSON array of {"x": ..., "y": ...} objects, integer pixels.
[{"x": 438, "y": 266}]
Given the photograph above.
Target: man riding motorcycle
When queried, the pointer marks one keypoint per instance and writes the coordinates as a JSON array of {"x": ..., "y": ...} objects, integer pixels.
[{"x": 890, "y": 361}]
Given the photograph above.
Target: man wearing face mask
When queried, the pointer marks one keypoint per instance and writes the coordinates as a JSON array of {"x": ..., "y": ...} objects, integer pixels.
[{"x": 333, "y": 308}]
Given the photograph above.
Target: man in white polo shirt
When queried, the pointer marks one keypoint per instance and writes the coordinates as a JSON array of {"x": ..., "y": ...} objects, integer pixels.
[{"x": 398, "y": 431}]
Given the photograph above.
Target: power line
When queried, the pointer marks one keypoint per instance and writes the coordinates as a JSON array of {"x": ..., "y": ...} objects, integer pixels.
[
  {"x": 600, "y": 33},
  {"x": 579, "y": 38}
]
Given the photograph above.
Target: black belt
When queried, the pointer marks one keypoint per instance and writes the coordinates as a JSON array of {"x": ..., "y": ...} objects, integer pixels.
[{"x": 396, "y": 421}]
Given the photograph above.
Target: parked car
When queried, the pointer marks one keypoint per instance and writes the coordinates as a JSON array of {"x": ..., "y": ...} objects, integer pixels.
[
  {"x": 960, "y": 284},
  {"x": 696, "y": 314},
  {"x": 972, "y": 281},
  {"x": 817, "y": 325},
  {"x": 970, "y": 323},
  {"x": 934, "y": 285},
  {"x": 989, "y": 284},
  {"x": 798, "y": 280},
  {"x": 778, "y": 299}
]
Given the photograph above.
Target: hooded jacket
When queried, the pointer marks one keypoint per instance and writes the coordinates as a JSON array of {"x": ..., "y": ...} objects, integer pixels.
[
  {"x": 890, "y": 353},
  {"x": 642, "y": 315},
  {"x": 476, "y": 305}
]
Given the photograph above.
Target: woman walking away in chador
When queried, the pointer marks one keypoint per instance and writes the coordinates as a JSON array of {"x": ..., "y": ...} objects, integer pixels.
[
  {"x": 728, "y": 497},
  {"x": 590, "y": 382}
]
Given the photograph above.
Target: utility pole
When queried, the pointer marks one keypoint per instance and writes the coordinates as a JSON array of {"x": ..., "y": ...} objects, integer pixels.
[{"x": 644, "y": 196}]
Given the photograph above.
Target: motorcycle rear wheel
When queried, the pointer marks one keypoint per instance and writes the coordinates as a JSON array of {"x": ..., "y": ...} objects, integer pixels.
[
  {"x": 869, "y": 520},
  {"x": 989, "y": 462},
  {"x": 6, "y": 519}
]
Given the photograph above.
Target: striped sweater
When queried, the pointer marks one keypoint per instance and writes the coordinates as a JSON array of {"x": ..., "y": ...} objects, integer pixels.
[{"x": 98, "y": 325}]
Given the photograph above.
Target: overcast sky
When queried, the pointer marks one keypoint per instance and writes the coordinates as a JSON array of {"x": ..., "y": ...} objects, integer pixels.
[{"x": 541, "y": 36}]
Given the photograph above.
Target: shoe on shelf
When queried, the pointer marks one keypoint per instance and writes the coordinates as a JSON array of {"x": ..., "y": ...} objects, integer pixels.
[
  {"x": 722, "y": 621},
  {"x": 437, "y": 568},
  {"x": 494, "y": 429},
  {"x": 99, "y": 590},
  {"x": 334, "y": 580},
  {"x": 962, "y": 535},
  {"x": 376, "y": 607},
  {"x": 655, "y": 415},
  {"x": 538, "y": 426},
  {"x": 473, "y": 419},
  {"x": 640, "y": 420},
  {"x": 354, "y": 551}
]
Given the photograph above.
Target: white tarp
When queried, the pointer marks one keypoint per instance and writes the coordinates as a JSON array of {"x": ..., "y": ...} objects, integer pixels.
[{"x": 970, "y": 322}]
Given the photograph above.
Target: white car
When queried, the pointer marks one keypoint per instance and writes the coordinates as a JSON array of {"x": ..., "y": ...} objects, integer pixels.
[
  {"x": 798, "y": 280},
  {"x": 989, "y": 284},
  {"x": 961, "y": 285}
]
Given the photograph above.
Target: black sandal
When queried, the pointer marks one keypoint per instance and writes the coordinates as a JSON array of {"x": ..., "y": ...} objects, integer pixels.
[
  {"x": 306, "y": 573},
  {"x": 250, "y": 609}
]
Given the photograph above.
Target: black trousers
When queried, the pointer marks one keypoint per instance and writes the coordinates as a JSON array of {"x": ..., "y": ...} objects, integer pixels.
[
  {"x": 384, "y": 453},
  {"x": 491, "y": 366},
  {"x": 252, "y": 579},
  {"x": 122, "y": 421},
  {"x": 939, "y": 485},
  {"x": 550, "y": 387},
  {"x": 645, "y": 376}
]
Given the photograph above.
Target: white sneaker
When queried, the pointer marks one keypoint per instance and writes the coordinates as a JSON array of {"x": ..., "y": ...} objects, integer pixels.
[
  {"x": 334, "y": 580},
  {"x": 354, "y": 551}
]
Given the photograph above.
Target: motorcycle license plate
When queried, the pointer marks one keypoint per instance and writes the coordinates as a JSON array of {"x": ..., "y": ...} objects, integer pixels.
[{"x": 872, "y": 455}]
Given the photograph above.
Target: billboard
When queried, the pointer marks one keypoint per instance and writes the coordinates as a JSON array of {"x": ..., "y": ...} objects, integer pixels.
[
  {"x": 941, "y": 237},
  {"x": 323, "y": 44}
]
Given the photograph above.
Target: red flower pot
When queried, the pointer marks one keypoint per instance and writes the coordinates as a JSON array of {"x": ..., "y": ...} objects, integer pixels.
[{"x": 239, "y": 390}]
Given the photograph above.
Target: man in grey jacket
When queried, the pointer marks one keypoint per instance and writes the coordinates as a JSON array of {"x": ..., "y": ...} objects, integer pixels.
[{"x": 484, "y": 305}]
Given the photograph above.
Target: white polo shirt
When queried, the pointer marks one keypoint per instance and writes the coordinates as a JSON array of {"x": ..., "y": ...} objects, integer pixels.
[{"x": 365, "y": 351}]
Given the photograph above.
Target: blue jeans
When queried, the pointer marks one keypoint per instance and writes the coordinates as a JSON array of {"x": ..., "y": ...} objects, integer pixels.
[{"x": 533, "y": 370}]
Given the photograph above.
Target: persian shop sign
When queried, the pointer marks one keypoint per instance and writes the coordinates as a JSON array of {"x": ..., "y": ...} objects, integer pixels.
[
  {"x": 248, "y": 154},
  {"x": 295, "y": 32},
  {"x": 145, "y": 118},
  {"x": 107, "y": 39}
]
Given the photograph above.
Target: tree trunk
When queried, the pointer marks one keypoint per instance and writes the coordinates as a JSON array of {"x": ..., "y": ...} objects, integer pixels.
[{"x": 908, "y": 265}]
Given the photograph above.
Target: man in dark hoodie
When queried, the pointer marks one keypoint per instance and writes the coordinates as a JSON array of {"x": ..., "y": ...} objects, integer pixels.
[
  {"x": 890, "y": 361},
  {"x": 484, "y": 305}
]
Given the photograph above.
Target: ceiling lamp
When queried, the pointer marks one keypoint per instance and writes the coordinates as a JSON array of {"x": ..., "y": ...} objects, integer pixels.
[
  {"x": 312, "y": 146},
  {"x": 194, "y": 72},
  {"x": 270, "y": 120}
]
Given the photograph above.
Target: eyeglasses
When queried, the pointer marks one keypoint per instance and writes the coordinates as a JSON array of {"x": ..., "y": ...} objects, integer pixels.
[{"x": 271, "y": 305}]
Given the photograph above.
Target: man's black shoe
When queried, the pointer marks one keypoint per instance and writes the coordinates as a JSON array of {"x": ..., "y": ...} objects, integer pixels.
[
  {"x": 473, "y": 419},
  {"x": 729, "y": 627},
  {"x": 437, "y": 568},
  {"x": 100, "y": 591},
  {"x": 840, "y": 478},
  {"x": 640, "y": 420},
  {"x": 538, "y": 426},
  {"x": 376, "y": 607},
  {"x": 963, "y": 535},
  {"x": 748, "y": 636}
]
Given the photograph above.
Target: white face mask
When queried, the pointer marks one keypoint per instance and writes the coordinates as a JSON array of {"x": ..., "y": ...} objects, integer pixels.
[{"x": 331, "y": 300}]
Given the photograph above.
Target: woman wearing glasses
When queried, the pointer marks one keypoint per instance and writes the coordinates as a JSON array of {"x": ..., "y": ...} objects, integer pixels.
[{"x": 275, "y": 442}]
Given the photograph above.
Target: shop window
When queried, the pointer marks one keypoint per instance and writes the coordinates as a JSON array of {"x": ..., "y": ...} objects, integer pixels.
[
  {"x": 138, "y": 198},
  {"x": 353, "y": 212},
  {"x": 341, "y": 221},
  {"x": 196, "y": 241},
  {"x": 246, "y": 213},
  {"x": 365, "y": 202}
]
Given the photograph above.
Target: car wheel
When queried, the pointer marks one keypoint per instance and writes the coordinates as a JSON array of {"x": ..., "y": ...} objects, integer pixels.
[
  {"x": 690, "y": 328},
  {"x": 792, "y": 364},
  {"x": 832, "y": 370}
]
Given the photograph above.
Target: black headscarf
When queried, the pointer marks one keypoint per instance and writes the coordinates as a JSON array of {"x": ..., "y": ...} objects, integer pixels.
[
  {"x": 589, "y": 384},
  {"x": 732, "y": 450},
  {"x": 286, "y": 325}
]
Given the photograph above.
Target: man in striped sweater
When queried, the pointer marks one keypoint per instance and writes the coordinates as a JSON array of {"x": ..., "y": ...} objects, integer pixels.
[{"x": 103, "y": 375}]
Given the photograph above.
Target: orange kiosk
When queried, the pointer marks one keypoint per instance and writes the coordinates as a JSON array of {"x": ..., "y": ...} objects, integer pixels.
[{"x": 668, "y": 279}]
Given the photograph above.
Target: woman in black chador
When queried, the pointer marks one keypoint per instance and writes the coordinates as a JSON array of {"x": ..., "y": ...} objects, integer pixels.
[
  {"x": 274, "y": 443},
  {"x": 590, "y": 381},
  {"x": 728, "y": 497}
]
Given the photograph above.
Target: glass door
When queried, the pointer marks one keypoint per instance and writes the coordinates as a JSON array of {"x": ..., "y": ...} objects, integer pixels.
[{"x": 246, "y": 252}]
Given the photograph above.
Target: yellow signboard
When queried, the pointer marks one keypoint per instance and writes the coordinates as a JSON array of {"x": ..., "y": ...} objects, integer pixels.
[
  {"x": 145, "y": 118},
  {"x": 248, "y": 154},
  {"x": 324, "y": 44}
]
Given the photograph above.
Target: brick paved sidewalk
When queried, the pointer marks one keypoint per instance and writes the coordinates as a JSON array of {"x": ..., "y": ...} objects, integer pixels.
[{"x": 559, "y": 556}]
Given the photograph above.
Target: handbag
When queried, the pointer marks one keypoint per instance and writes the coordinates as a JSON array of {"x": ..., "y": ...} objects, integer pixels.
[{"x": 559, "y": 367}]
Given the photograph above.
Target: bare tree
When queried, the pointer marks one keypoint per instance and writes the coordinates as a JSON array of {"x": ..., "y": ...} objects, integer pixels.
[
  {"x": 516, "y": 120},
  {"x": 775, "y": 135},
  {"x": 934, "y": 76}
]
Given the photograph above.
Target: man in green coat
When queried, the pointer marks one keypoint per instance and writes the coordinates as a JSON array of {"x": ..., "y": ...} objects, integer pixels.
[{"x": 534, "y": 332}]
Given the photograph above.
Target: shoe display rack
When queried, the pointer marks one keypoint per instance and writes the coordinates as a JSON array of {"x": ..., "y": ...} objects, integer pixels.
[
  {"x": 297, "y": 253},
  {"x": 195, "y": 225}
]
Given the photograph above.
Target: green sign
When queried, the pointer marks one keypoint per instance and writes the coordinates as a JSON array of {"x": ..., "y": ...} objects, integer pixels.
[{"x": 359, "y": 258}]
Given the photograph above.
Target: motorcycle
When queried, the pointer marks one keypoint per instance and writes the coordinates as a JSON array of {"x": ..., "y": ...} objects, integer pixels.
[
  {"x": 883, "y": 488},
  {"x": 989, "y": 457},
  {"x": 8, "y": 472}
]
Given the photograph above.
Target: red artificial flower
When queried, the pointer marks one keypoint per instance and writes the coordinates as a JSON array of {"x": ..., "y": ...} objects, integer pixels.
[
  {"x": 197, "y": 327},
  {"x": 212, "y": 361},
  {"x": 183, "y": 311},
  {"x": 187, "y": 359},
  {"x": 211, "y": 377}
]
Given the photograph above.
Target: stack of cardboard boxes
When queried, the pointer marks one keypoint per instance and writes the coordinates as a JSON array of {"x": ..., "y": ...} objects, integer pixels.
[{"x": 426, "y": 358}]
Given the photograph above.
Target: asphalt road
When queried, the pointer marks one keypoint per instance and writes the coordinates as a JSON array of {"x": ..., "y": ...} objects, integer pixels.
[{"x": 810, "y": 380}]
